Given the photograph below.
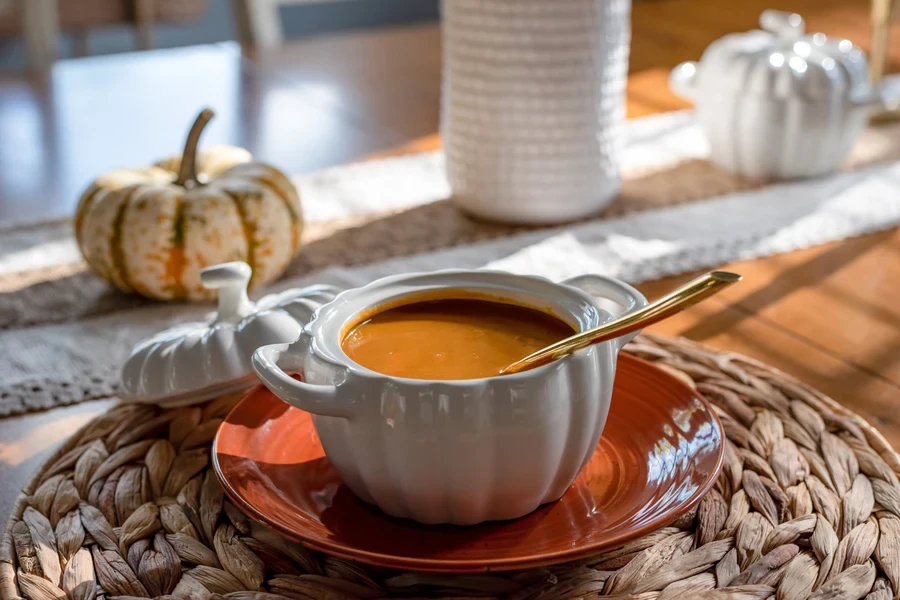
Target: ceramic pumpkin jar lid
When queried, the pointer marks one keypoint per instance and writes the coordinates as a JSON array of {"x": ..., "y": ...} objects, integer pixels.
[
  {"x": 152, "y": 230},
  {"x": 782, "y": 60},
  {"x": 194, "y": 362}
]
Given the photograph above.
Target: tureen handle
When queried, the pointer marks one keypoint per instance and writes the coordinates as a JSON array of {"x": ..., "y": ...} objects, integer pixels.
[
  {"x": 885, "y": 96},
  {"x": 316, "y": 399},
  {"x": 619, "y": 292}
]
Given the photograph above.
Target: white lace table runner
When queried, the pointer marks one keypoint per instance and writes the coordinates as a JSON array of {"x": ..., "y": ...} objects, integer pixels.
[
  {"x": 373, "y": 186},
  {"x": 53, "y": 364}
]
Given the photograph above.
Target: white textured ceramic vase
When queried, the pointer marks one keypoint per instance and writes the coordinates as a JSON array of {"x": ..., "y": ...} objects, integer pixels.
[{"x": 532, "y": 105}]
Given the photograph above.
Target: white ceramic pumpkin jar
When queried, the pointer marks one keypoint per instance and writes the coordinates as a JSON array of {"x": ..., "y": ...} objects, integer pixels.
[{"x": 778, "y": 103}]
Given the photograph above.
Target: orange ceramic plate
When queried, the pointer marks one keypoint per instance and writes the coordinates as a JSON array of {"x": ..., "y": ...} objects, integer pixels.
[{"x": 660, "y": 452}]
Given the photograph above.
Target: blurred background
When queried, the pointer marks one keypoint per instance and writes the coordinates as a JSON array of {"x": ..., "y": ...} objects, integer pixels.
[
  {"x": 108, "y": 26},
  {"x": 87, "y": 86}
]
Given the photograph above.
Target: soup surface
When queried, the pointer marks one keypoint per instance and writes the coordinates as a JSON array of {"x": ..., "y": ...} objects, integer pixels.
[{"x": 450, "y": 338}]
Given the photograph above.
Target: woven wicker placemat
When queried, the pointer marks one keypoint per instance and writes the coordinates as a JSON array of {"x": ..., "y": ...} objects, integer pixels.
[{"x": 807, "y": 506}]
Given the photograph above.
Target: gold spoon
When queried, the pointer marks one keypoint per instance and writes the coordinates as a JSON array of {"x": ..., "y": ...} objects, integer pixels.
[{"x": 674, "y": 302}]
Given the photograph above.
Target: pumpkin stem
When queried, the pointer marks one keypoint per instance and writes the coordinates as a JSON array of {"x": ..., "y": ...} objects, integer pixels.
[{"x": 187, "y": 174}]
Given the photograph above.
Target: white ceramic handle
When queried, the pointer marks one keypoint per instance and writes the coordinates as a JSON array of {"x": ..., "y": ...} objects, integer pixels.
[
  {"x": 231, "y": 280},
  {"x": 619, "y": 292},
  {"x": 884, "y": 96},
  {"x": 682, "y": 80},
  {"x": 316, "y": 399},
  {"x": 783, "y": 24},
  {"x": 889, "y": 93}
]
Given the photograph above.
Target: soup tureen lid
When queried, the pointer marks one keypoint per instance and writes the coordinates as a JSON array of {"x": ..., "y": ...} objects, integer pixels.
[
  {"x": 193, "y": 362},
  {"x": 782, "y": 61}
]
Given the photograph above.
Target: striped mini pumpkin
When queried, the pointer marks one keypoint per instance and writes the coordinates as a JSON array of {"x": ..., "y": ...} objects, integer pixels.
[{"x": 153, "y": 230}]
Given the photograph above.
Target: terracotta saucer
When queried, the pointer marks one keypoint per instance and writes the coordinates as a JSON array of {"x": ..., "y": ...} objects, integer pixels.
[{"x": 660, "y": 452}]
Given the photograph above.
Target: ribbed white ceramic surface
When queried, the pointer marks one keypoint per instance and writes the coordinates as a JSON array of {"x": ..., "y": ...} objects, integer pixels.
[
  {"x": 193, "y": 362},
  {"x": 779, "y": 103},
  {"x": 532, "y": 104},
  {"x": 783, "y": 61}
]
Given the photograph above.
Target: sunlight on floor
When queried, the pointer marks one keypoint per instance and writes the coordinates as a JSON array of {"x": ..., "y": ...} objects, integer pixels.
[{"x": 42, "y": 437}]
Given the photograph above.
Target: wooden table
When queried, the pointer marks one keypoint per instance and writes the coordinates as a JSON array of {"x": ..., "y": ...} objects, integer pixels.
[{"x": 828, "y": 315}]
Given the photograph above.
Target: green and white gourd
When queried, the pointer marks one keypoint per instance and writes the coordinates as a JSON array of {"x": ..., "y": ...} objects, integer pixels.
[{"x": 153, "y": 230}]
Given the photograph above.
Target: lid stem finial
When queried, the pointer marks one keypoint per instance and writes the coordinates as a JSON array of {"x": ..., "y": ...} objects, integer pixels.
[
  {"x": 231, "y": 280},
  {"x": 783, "y": 24}
]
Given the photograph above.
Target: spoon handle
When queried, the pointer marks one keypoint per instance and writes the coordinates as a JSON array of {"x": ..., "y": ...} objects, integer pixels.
[{"x": 676, "y": 301}]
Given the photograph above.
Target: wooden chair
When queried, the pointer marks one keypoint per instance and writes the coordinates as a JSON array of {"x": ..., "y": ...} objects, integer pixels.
[
  {"x": 40, "y": 28},
  {"x": 259, "y": 21},
  {"x": 40, "y": 22}
]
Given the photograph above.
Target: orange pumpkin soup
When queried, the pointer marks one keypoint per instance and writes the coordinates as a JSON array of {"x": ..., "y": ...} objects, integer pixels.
[{"x": 450, "y": 338}]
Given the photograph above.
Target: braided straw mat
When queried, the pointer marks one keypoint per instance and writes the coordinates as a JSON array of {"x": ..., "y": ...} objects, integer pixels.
[{"x": 807, "y": 506}]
